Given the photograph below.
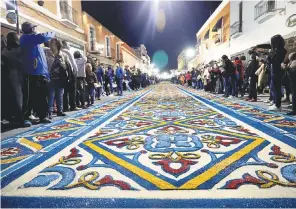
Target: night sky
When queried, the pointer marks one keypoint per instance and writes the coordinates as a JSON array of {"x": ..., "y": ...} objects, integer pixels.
[{"x": 134, "y": 23}]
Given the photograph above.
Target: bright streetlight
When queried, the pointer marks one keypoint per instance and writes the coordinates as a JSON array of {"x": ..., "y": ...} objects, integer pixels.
[{"x": 190, "y": 52}]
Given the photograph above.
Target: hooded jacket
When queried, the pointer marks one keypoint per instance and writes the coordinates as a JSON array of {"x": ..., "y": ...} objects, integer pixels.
[
  {"x": 277, "y": 54},
  {"x": 34, "y": 60}
]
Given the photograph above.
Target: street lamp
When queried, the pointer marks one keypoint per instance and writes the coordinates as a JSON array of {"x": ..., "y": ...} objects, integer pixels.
[{"x": 190, "y": 53}]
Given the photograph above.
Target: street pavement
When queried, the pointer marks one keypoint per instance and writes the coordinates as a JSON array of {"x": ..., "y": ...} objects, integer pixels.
[{"x": 163, "y": 146}]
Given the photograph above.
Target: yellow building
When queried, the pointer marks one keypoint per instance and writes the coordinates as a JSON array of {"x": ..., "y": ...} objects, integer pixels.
[
  {"x": 60, "y": 16},
  {"x": 181, "y": 61},
  {"x": 101, "y": 43},
  {"x": 213, "y": 37}
]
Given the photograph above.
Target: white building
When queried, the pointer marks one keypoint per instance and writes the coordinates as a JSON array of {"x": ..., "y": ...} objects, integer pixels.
[
  {"x": 129, "y": 56},
  {"x": 255, "y": 22},
  {"x": 144, "y": 64}
]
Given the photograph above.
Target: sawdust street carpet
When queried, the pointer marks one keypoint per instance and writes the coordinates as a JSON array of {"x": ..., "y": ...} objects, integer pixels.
[{"x": 161, "y": 147}]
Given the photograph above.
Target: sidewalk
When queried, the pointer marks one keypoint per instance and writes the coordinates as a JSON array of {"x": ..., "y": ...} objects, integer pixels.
[{"x": 12, "y": 132}]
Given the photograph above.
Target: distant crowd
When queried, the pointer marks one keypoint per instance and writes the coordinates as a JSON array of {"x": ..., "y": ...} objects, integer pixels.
[
  {"x": 272, "y": 72},
  {"x": 41, "y": 77}
]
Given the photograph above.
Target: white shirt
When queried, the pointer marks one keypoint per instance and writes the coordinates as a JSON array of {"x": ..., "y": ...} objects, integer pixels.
[
  {"x": 71, "y": 61},
  {"x": 80, "y": 62}
]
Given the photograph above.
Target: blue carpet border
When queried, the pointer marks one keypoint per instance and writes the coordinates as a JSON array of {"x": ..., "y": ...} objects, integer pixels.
[
  {"x": 259, "y": 125},
  {"x": 53, "y": 202}
]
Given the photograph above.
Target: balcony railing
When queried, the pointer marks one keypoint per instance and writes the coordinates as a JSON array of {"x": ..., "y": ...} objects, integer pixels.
[
  {"x": 236, "y": 27},
  {"x": 68, "y": 13},
  {"x": 264, "y": 7}
]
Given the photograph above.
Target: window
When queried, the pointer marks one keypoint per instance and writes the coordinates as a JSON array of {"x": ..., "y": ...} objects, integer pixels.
[
  {"x": 108, "y": 46},
  {"x": 264, "y": 7},
  {"x": 92, "y": 38},
  {"x": 67, "y": 12},
  {"x": 118, "y": 51}
]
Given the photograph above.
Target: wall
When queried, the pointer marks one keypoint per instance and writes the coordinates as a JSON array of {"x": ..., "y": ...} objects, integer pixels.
[
  {"x": 208, "y": 49},
  {"x": 100, "y": 33},
  {"x": 46, "y": 21},
  {"x": 129, "y": 57},
  {"x": 254, "y": 33}
]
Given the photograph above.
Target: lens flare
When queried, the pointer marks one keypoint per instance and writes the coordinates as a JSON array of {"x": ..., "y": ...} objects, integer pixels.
[
  {"x": 160, "y": 20},
  {"x": 160, "y": 58}
]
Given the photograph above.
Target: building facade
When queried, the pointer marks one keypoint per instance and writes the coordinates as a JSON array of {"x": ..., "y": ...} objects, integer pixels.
[
  {"x": 130, "y": 58},
  {"x": 145, "y": 62},
  {"x": 213, "y": 37},
  {"x": 101, "y": 43},
  {"x": 255, "y": 22},
  {"x": 60, "y": 16},
  {"x": 181, "y": 61}
]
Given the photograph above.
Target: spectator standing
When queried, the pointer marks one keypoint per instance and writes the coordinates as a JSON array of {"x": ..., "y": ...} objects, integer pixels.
[
  {"x": 292, "y": 76},
  {"x": 12, "y": 80},
  {"x": 91, "y": 79},
  {"x": 80, "y": 62},
  {"x": 276, "y": 57},
  {"x": 109, "y": 80},
  {"x": 70, "y": 88},
  {"x": 253, "y": 79},
  {"x": 227, "y": 74},
  {"x": 60, "y": 74},
  {"x": 36, "y": 69},
  {"x": 119, "y": 79},
  {"x": 100, "y": 77}
]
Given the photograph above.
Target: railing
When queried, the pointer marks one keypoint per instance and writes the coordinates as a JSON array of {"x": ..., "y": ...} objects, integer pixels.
[
  {"x": 236, "y": 27},
  {"x": 264, "y": 7},
  {"x": 67, "y": 12}
]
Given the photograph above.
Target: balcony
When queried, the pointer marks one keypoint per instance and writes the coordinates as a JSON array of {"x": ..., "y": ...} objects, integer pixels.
[
  {"x": 68, "y": 14},
  {"x": 264, "y": 10},
  {"x": 236, "y": 29}
]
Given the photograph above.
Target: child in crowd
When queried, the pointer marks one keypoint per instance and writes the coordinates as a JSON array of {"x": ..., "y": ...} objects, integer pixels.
[{"x": 91, "y": 79}]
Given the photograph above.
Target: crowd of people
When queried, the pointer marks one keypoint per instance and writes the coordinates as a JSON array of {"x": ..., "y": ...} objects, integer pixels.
[
  {"x": 271, "y": 71},
  {"x": 41, "y": 77}
]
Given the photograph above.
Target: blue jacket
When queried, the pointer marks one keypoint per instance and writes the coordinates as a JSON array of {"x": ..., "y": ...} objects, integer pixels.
[
  {"x": 100, "y": 74},
  {"x": 110, "y": 74},
  {"x": 119, "y": 73},
  {"x": 34, "y": 60}
]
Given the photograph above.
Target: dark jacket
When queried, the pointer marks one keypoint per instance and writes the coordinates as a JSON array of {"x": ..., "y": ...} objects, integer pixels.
[
  {"x": 254, "y": 65},
  {"x": 277, "y": 54},
  {"x": 229, "y": 67},
  {"x": 91, "y": 79}
]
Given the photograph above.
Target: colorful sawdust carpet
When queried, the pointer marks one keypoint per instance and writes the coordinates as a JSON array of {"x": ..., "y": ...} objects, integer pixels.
[{"x": 167, "y": 147}]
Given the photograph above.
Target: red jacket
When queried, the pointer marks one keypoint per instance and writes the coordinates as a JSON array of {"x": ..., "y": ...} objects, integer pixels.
[
  {"x": 239, "y": 69},
  {"x": 188, "y": 76}
]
